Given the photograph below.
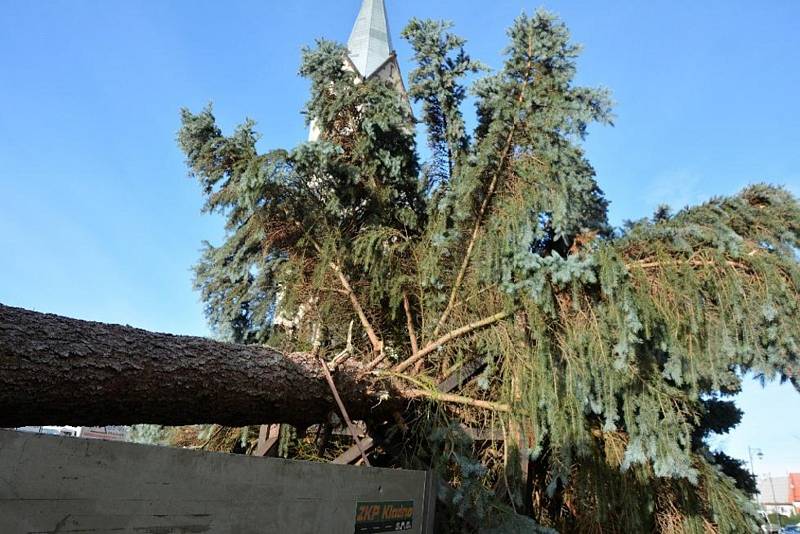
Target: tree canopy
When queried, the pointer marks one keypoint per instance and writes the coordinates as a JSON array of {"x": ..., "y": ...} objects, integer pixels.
[{"x": 607, "y": 355}]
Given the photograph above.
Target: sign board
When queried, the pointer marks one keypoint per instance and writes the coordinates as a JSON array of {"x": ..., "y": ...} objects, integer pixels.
[{"x": 397, "y": 516}]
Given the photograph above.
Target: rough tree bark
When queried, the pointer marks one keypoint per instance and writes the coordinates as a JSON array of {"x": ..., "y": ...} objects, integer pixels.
[{"x": 60, "y": 371}]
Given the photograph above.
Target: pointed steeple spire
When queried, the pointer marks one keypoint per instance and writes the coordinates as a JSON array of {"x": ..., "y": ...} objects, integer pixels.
[
  {"x": 370, "y": 51},
  {"x": 370, "y": 43}
]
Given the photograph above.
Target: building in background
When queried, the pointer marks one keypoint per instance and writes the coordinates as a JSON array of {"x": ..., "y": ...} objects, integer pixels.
[
  {"x": 51, "y": 430},
  {"x": 106, "y": 433},
  {"x": 780, "y": 494}
]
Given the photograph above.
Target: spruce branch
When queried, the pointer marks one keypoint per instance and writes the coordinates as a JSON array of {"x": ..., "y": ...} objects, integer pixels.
[
  {"x": 371, "y": 366},
  {"x": 346, "y": 353},
  {"x": 412, "y": 335},
  {"x": 377, "y": 344},
  {"x": 485, "y": 204},
  {"x": 642, "y": 264},
  {"x": 464, "y": 330},
  {"x": 458, "y": 399}
]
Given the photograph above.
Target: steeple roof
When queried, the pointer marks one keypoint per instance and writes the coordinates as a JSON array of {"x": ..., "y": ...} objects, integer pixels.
[{"x": 370, "y": 43}]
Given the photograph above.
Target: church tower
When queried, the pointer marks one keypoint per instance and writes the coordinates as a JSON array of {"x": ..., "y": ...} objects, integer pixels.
[{"x": 369, "y": 50}]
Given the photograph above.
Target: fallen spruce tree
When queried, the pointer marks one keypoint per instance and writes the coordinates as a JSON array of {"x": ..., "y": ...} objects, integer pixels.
[
  {"x": 594, "y": 362},
  {"x": 59, "y": 370}
]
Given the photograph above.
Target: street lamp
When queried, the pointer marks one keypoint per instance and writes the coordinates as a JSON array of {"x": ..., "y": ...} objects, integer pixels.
[{"x": 758, "y": 453}]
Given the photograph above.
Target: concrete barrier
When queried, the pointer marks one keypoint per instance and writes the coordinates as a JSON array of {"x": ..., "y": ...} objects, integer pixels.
[{"x": 52, "y": 484}]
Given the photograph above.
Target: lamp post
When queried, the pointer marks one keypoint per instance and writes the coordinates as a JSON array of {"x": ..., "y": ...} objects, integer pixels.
[{"x": 758, "y": 452}]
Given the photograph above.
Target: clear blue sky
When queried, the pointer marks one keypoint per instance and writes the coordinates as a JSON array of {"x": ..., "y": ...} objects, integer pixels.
[{"x": 99, "y": 221}]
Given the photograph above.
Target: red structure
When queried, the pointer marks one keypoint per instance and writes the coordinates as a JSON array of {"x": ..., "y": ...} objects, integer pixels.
[{"x": 794, "y": 490}]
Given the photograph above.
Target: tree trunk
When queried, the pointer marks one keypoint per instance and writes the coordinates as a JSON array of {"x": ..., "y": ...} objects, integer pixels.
[{"x": 60, "y": 371}]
